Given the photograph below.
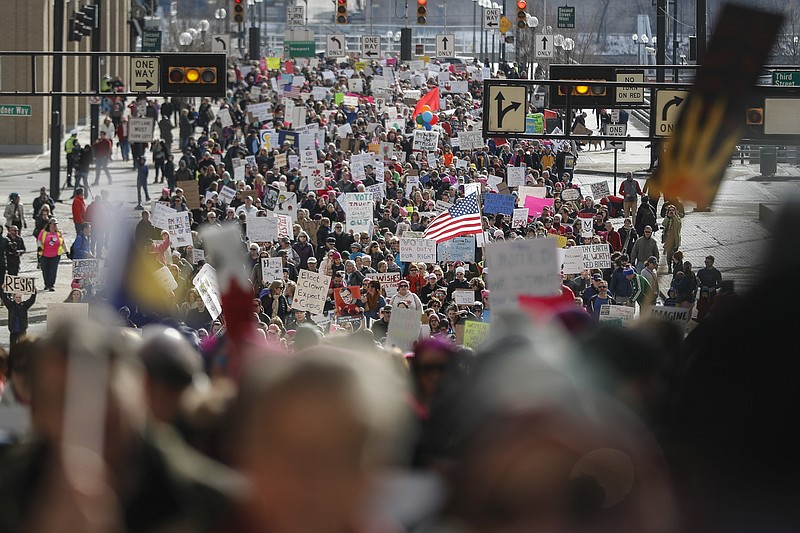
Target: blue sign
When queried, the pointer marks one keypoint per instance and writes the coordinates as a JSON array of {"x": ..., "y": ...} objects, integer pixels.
[
  {"x": 291, "y": 136},
  {"x": 499, "y": 203},
  {"x": 457, "y": 249}
]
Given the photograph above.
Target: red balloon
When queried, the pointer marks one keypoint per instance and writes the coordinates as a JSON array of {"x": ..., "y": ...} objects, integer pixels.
[{"x": 435, "y": 119}]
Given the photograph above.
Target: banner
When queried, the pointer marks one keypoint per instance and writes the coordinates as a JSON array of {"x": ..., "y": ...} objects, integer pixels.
[
  {"x": 464, "y": 297},
  {"x": 515, "y": 176},
  {"x": 520, "y": 218},
  {"x": 421, "y": 250},
  {"x": 311, "y": 292},
  {"x": 262, "y": 229},
  {"x": 573, "y": 260},
  {"x": 535, "y": 205},
  {"x": 271, "y": 269},
  {"x": 671, "y": 314},
  {"x": 621, "y": 315},
  {"x": 159, "y": 215},
  {"x": 470, "y": 140},
  {"x": 499, "y": 203},
  {"x": 18, "y": 284},
  {"x": 457, "y": 249}
]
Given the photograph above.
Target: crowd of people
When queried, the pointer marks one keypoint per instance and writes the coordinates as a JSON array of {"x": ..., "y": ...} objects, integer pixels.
[{"x": 567, "y": 424}]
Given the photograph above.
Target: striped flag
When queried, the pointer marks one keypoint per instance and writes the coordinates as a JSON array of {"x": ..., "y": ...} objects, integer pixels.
[{"x": 464, "y": 218}]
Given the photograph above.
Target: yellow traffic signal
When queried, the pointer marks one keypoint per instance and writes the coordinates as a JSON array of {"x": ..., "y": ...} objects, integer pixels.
[
  {"x": 582, "y": 90},
  {"x": 197, "y": 75}
]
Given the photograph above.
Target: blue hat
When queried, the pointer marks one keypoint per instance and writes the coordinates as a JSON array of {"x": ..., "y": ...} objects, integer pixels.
[{"x": 628, "y": 271}]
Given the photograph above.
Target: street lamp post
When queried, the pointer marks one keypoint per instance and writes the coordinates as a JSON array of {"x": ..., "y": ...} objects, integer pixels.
[
  {"x": 568, "y": 46},
  {"x": 204, "y": 26},
  {"x": 220, "y": 15},
  {"x": 533, "y": 23}
]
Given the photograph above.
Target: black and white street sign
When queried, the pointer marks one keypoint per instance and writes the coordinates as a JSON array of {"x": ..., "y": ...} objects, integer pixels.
[
  {"x": 544, "y": 46},
  {"x": 140, "y": 129},
  {"x": 615, "y": 116},
  {"x": 445, "y": 45},
  {"x": 371, "y": 46},
  {"x": 616, "y": 130},
  {"x": 506, "y": 109},
  {"x": 668, "y": 108},
  {"x": 295, "y": 16},
  {"x": 145, "y": 75},
  {"x": 491, "y": 18},
  {"x": 630, "y": 95},
  {"x": 221, "y": 43},
  {"x": 336, "y": 46}
]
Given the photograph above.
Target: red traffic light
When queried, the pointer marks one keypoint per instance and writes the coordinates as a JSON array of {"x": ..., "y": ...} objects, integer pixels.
[
  {"x": 522, "y": 4},
  {"x": 422, "y": 2}
]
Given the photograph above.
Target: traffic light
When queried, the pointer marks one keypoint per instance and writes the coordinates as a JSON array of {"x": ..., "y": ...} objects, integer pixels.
[
  {"x": 238, "y": 11},
  {"x": 754, "y": 116},
  {"x": 193, "y": 75},
  {"x": 82, "y": 24},
  {"x": 422, "y": 11},
  {"x": 341, "y": 11},
  {"x": 595, "y": 91},
  {"x": 522, "y": 14}
]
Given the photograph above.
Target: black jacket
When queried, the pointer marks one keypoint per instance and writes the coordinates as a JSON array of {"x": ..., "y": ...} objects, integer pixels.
[{"x": 18, "y": 311}]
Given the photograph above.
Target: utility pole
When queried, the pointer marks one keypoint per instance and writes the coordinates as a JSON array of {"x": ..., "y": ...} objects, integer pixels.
[
  {"x": 702, "y": 30},
  {"x": 55, "y": 102},
  {"x": 95, "y": 72},
  {"x": 661, "y": 33},
  {"x": 676, "y": 70}
]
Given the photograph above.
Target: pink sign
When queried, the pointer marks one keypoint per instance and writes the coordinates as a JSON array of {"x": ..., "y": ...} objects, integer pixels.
[{"x": 535, "y": 205}]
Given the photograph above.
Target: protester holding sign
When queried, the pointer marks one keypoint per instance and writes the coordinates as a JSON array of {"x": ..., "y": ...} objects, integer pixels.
[{"x": 17, "y": 314}]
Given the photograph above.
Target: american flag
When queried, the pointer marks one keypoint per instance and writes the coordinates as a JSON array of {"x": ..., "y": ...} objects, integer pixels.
[{"x": 464, "y": 218}]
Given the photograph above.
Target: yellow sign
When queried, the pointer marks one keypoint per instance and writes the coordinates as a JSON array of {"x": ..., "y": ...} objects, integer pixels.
[
  {"x": 505, "y": 24},
  {"x": 360, "y": 65},
  {"x": 561, "y": 240},
  {"x": 475, "y": 333},
  {"x": 273, "y": 63},
  {"x": 375, "y": 148}
]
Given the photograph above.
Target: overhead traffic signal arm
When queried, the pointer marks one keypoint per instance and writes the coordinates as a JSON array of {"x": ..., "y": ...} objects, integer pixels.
[{"x": 422, "y": 11}]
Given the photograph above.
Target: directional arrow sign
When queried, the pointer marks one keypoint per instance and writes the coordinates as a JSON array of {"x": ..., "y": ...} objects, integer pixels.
[
  {"x": 221, "y": 43},
  {"x": 491, "y": 18},
  {"x": 145, "y": 75},
  {"x": 668, "y": 107},
  {"x": 371, "y": 46},
  {"x": 544, "y": 46},
  {"x": 504, "y": 107},
  {"x": 336, "y": 46},
  {"x": 445, "y": 45}
]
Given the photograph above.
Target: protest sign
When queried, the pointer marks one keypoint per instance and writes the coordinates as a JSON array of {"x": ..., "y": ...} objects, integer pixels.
[
  {"x": 413, "y": 249},
  {"x": 535, "y": 205},
  {"x": 281, "y": 160},
  {"x": 18, "y": 284},
  {"x": 311, "y": 292},
  {"x": 378, "y": 191},
  {"x": 464, "y": 297},
  {"x": 359, "y": 212},
  {"x": 470, "y": 140},
  {"x": 515, "y": 176},
  {"x": 587, "y": 226},
  {"x": 426, "y": 141},
  {"x": 621, "y": 315},
  {"x": 441, "y": 205},
  {"x": 164, "y": 278},
  {"x": 205, "y": 282},
  {"x": 308, "y": 158},
  {"x": 520, "y": 218},
  {"x": 61, "y": 312},
  {"x": 570, "y": 195},
  {"x": 198, "y": 255},
  {"x": 159, "y": 215},
  {"x": 262, "y": 229},
  {"x": 180, "y": 231},
  {"x": 388, "y": 281},
  {"x": 404, "y": 328},
  {"x": 681, "y": 315},
  {"x": 85, "y": 268},
  {"x": 536, "y": 192},
  {"x": 227, "y": 194},
  {"x": 191, "y": 191},
  {"x": 522, "y": 267},
  {"x": 475, "y": 333},
  {"x": 499, "y": 203},
  {"x": 573, "y": 260},
  {"x": 600, "y": 190},
  {"x": 284, "y": 226},
  {"x": 347, "y": 301},
  {"x": 224, "y": 115},
  {"x": 287, "y": 205},
  {"x": 271, "y": 269},
  {"x": 561, "y": 240},
  {"x": 412, "y": 183},
  {"x": 457, "y": 249},
  {"x": 596, "y": 256}
]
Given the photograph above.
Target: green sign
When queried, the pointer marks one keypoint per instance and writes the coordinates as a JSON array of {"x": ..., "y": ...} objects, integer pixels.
[
  {"x": 301, "y": 48},
  {"x": 566, "y": 17},
  {"x": 534, "y": 123},
  {"x": 151, "y": 41},
  {"x": 13, "y": 110},
  {"x": 786, "y": 78}
]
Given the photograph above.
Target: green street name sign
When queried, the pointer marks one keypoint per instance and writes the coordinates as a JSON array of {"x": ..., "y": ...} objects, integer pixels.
[
  {"x": 151, "y": 41},
  {"x": 13, "y": 110},
  {"x": 566, "y": 17},
  {"x": 786, "y": 78},
  {"x": 301, "y": 48}
]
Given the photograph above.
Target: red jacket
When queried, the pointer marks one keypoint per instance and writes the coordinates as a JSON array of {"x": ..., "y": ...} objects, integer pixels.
[
  {"x": 102, "y": 148},
  {"x": 78, "y": 210}
]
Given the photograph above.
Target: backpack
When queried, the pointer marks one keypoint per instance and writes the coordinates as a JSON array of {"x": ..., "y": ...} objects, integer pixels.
[{"x": 71, "y": 251}]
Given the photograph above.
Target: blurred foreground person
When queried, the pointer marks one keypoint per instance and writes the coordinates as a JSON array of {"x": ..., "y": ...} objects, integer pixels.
[
  {"x": 92, "y": 463},
  {"x": 311, "y": 433}
]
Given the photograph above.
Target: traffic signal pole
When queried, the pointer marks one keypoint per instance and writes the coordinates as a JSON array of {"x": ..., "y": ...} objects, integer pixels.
[
  {"x": 55, "y": 100},
  {"x": 94, "y": 119}
]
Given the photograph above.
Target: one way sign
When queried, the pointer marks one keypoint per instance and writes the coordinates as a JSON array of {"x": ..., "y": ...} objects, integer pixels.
[
  {"x": 371, "y": 46},
  {"x": 145, "y": 73},
  {"x": 544, "y": 46},
  {"x": 445, "y": 45},
  {"x": 491, "y": 18}
]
